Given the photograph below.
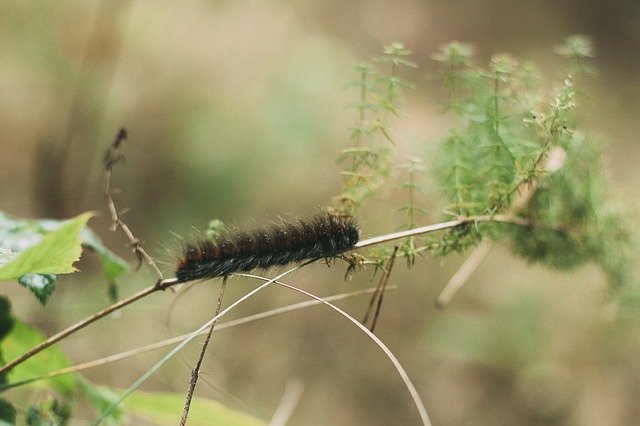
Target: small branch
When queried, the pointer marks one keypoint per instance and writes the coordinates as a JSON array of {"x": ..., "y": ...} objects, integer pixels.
[
  {"x": 535, "y": 169},
  {"x": 383, "y": 288},
  {"x": 463, "y": 273},
  {"x": 78, "y": 326},
  {"x": 196, "y": 370},
  {"x": 111, "y": 157},
  {"x": 160, "y": 285},
  {"x": 168, "y": 282},
  {"x": 379, "y": 293},
  {"x": 514, "y": 220}
]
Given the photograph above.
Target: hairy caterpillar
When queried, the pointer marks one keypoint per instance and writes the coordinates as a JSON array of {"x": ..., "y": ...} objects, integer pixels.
[{"x": 321, "y": 236}]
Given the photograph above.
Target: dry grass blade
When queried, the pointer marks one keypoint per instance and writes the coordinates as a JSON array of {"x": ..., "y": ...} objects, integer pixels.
[
  {"x": 463, "y": 273},
  {"x": 290, "y": 399}
]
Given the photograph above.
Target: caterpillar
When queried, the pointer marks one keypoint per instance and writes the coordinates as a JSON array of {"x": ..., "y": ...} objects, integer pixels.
[{"x": 323, "y": 235}]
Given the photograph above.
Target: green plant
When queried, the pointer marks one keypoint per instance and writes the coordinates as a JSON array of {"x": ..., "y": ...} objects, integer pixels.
[
  {"x": 515, "y": 167},
  {"x": 515, "y": 150}
]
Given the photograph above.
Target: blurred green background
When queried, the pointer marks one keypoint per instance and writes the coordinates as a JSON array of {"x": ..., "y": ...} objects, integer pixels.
[{"x": 237, "y": 110}]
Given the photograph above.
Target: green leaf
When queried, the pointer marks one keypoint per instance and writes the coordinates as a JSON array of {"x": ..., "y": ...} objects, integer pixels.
[
  {"x": 22, "y": 338},
  {"x": 166, "y": 409},
  {"x": 112, "y": 266},
  {"x": 55, "y": 254},
  {"x": 18, "y": 235},
  {"x": 6, "y": 324}
]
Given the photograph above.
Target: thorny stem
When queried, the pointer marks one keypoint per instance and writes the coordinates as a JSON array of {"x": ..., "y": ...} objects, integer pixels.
[
  {"x": 112, "y": 156},
  {"x": 411, "y": 189},
  {"x": 196, "y": 370},
  {"x": 362, "y": 108}
]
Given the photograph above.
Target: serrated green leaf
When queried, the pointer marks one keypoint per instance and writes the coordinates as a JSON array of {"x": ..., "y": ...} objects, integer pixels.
[
  {"x": 166, "y": 409},
  {"x": 41, "y": 285},
  {"x": 55, "y": 254},
  {"x": 17, "y": 235}
]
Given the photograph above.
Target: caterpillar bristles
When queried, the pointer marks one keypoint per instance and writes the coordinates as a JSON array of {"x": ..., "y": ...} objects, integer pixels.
[{"x": 323, "y": 235}]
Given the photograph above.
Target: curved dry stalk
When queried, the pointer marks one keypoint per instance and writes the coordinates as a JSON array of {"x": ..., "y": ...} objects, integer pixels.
[{"x": 401, "y": 371}]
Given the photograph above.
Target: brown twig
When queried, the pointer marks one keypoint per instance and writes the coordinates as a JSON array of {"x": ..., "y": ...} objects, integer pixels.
[
  {"x": 78, "y": 326},
  {"x": 379, "y": 293},
  {"x": 163, "y": 284},
  {"x": 196, "y": 370},
  {"x": 383, "y": 288},
  {"x": 112, "y": 156}
]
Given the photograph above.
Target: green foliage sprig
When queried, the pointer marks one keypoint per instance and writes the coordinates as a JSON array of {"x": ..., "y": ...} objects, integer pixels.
[
  {"x": 415, "y": 167},
  {"x": 368, "y": 159},
  {"x": 515, "y": 148}
]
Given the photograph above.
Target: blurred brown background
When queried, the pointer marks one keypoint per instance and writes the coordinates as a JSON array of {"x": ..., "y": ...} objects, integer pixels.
[{"x": 237, "y": 110}]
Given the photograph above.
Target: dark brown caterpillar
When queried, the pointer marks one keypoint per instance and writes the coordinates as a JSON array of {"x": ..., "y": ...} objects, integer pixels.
[{"x": 321, "y": 236}]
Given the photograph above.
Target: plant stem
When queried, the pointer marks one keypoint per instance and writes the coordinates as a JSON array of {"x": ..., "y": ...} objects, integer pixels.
[
  {"x": 168, "y": 282},
  {"x": 111, "y": 157},
  {"x": 78, "y": 326},
  {"x": 514, "y": 220},
  {"x": 196, "y": 370}
]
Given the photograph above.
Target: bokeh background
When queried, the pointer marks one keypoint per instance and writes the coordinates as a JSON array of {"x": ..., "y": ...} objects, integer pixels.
[{"x": 237, "y": 110}]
